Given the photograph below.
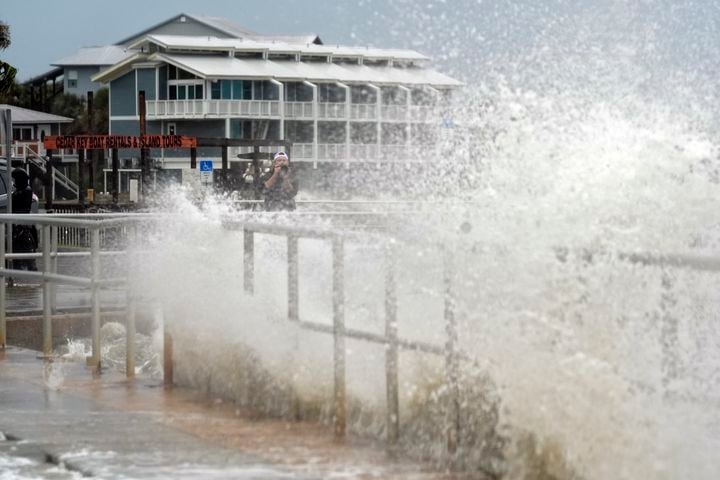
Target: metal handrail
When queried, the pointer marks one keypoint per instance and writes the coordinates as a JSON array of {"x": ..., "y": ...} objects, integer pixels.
[
  {"x": 390, "y": 339},
  {"x": 252, "y": 224},
  {"x": 49, "y": 277}
]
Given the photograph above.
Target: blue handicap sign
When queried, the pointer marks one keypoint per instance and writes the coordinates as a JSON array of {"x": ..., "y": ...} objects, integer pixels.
[{"x": 206, "y": 165}]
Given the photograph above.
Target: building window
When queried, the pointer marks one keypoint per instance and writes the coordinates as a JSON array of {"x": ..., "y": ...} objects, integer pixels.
[
  {"x": 72, "y": 78},
  {"x": 175, "y": 73},
  {"x": 231, "y": 90},
  {"x": 225, "y": 90},
  {"x": 22, "y": 134},
  {"x": 171, "y": 129},
  {"x": 182, "y": 91}
]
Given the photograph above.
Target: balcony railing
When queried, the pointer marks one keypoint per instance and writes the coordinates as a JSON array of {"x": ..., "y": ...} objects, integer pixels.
[
  {"x": 159, "y": 109},
  {"x": 212, "y": 108},
  {"x": 332, "y": 111},
  {"x": 299, "y": 110},
  {"x": 363, "y": 111}
]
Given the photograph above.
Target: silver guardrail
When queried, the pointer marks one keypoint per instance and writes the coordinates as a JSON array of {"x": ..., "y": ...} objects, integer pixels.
[
  {"x": 252, "y": 224},
  {"x": 48, "y": 277}
]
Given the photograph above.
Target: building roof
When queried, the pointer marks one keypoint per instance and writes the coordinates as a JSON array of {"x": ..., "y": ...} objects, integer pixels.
[
  {"x": 26, "y": 116},
  {"x": 224, "y": 25},
  {"x": 45, "y": 76},
  {"x": 295, "y": 39},
  {"x": 221, "y": 25},
  {"x": 214, "y": 67},
  {"x": 194, "y": 43},
  {"x": 94, "y": 56}
]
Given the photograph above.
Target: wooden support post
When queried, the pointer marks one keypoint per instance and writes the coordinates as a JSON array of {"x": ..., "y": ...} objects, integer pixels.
[
  {"x": 115, "y": 179},
  {"x": 91, "y": 130},
  {"x": 49, "y": 180},
  {"x": 88, "y": 163},
  {"x": 391, "y": 352},
  {"x": 144, "y": 170},
  {"x": 81, "y": 177},
  {"x": 340, "y": 404},
  {"x": 292, "y": 274}
]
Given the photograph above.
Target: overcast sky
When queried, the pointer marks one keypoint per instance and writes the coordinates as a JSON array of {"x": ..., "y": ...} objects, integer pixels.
[{"x": 465, "y": 37}]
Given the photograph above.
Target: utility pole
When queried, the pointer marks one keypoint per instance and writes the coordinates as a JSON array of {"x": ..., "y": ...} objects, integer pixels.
[{"x": 144, "y": 173}]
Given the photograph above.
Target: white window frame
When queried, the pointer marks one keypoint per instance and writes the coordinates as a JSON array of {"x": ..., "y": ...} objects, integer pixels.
[
  {"x": 72, "y": 78},
  {"x": 195, "y": 82}
]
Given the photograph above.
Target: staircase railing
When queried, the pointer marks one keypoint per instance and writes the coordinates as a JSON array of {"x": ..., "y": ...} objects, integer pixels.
[{"x": 58, "y": 177}]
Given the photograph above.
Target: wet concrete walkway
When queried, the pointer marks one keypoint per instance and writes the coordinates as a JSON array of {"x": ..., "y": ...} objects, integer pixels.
[{"x": 60, "y": 422}]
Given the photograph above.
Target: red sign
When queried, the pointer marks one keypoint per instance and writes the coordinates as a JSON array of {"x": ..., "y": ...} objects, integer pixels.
[{"x": 102, "y": 142}]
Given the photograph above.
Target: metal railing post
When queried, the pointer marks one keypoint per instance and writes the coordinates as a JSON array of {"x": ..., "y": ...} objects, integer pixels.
[
  {"x": 54, "y": 232},
  {"x": 131, "y": 306},
  {"x": 3, "y": 292},
  {"x": 391, "y": 352},
  {"x": 249, "y": 261},
  {"x": 452, "y": 365},
  {"x": 292, "y": 274},
  {"x": 338, "y": 297},
  {"x": 47, "y": 296},
  {"x": 168, "y": 370},
  {"x": 95, "y": 359}
]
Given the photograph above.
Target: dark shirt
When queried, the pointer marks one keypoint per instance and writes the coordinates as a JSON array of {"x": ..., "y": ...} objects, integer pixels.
[
  {"x": 278, "y": 198},
  {"x": 22, "y": 201}
]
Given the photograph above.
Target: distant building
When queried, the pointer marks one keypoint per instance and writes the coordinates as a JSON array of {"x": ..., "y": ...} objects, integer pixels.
[
  {"x": 30, "y": 128},
  {"x": 73, "y": 73},
  {"x": 208, "y": 77}
]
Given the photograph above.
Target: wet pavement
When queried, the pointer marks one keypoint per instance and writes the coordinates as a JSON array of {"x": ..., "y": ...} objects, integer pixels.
[{"x": 60, "y": 421}]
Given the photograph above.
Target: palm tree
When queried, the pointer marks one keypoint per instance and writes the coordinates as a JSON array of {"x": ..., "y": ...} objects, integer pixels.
[
  {"x": 4, "y": 35},
  {"x": 7, "y": 71}
]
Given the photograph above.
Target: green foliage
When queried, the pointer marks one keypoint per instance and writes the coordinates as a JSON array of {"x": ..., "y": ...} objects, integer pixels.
[
  {"x": 7, "y": 78},
  {"x": 7, "y": 71},
  {"x": 102, "y": 111},
  {"x": 4, "y": 35},
  {"x": 72, "y": 106},
  {"x": 69, "y": 105}
]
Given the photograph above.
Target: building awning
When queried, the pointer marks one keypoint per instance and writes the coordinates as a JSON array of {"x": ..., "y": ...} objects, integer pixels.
[{"x": 26, "y": 116}]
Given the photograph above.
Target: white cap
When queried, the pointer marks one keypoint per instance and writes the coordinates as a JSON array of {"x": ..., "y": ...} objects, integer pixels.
[{"x": 280, "y": 155}]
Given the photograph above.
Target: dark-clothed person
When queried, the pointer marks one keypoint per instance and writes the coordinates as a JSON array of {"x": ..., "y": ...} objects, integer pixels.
[
  {"x": 280, "y": 186},
  {"x": 25, "y": 237}
]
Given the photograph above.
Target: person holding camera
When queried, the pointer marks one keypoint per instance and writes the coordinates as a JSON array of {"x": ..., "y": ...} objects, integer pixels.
[{"x": 280, "y": 185}]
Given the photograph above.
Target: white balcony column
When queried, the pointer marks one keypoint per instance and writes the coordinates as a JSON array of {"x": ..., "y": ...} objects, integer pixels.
[
  {"x": 378, "y": 117},
  {"x": 348, "y": 103},
  {"x": 315, "y": 120},
  {"x": 437, "y": 93},
  {"x": 408, "y": 125},
  {"x": 281, "y": 109}
]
